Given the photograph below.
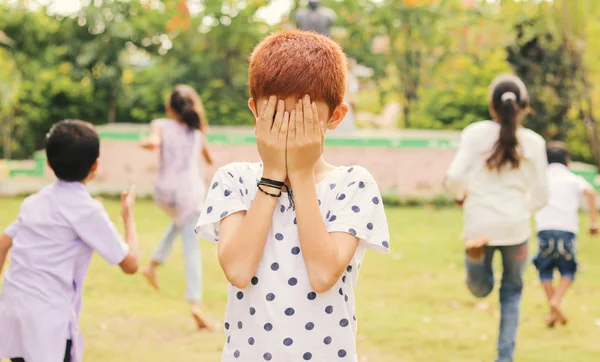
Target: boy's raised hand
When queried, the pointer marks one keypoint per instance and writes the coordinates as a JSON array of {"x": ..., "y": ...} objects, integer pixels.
[
  {"x": 271, "y": 137},
  {"x": 128, "y": 202},
  {"x": 305, "y": 139},
  {"x": 593, "y": 229}
]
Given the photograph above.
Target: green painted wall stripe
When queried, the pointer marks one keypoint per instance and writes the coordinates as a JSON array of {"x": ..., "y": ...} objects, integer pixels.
[{"x": 243, "y": 139}]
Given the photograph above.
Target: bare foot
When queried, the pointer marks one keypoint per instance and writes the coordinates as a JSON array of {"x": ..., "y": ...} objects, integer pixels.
[
  {"x": 557, "y": 311},
  {"x": 202, "y": 320},
  {"x": 551, "y": 320},
  {"x": 476, "y": 247},
  {"x": 150, "y": 274}
]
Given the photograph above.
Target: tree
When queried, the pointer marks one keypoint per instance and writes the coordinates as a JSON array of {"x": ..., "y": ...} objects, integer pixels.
[
  {"x": 550, "y": 56},
  {"x": 106, "y": 36},
  {"x": 10, "y": 80}
]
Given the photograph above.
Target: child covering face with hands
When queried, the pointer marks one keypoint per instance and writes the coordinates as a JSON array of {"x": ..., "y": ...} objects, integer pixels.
[{"x": 293, "y": 230}]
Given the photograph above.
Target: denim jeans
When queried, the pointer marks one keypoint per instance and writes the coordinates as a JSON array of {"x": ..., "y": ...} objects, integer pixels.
[
  {"x": 191, "y": 254},
  {"x": 480, "y": 280},
  {"x": 557, "y": 250}
]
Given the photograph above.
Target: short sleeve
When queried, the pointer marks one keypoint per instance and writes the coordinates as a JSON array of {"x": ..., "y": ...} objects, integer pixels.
[
  {"x": 12, "y": 229},
  {"x": 457, "y": 174},
  {"x": 583, "y": 185},
  {"x": 357, "y": 209},
  {"x": 227, "y": 195},
  {"x": 94, "y": 228}
]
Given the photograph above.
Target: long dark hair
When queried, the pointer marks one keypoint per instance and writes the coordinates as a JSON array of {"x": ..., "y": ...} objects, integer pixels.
[
  {"x": 509, "y": 98},
  {"x": 187, "y": 105}
]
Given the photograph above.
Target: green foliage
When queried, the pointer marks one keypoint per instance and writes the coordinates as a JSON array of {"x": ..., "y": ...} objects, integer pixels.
[
  {"x": 117, "y": 60},
  {"x": 460, "y": 96}
]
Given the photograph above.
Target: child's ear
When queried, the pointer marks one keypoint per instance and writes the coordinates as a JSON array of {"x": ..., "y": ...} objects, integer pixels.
[
  {"x": 337, "y": 117},
  {"x": 252, "y": 106},
  {"x": 94, "y": 167}
]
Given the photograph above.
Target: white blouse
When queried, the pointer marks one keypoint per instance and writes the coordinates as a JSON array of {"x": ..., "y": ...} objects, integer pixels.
[{"x": 499, "y": 203}]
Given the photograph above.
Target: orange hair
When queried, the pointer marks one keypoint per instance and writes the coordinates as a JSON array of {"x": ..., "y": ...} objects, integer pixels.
[{"x": 295, "y": 63}]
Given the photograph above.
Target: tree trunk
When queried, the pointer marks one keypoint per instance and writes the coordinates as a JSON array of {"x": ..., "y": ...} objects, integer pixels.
[
  {"x": 6, "y": 137},
  {"x": 591, "y": 128},
  {"x": 112, "y": 107},
  {"x": 406, "y": 109}
]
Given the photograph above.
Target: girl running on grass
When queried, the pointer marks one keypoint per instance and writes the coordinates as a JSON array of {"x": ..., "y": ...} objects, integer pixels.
[
  {"x": 499, "y": 177},
  {"x": 179, "y": 189}
]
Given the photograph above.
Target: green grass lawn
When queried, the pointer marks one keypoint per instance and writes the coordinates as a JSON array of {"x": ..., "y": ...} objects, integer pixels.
[{"x": 412, "y": 304}]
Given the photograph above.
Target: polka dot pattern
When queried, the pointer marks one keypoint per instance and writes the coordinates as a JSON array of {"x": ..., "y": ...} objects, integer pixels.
[{"x": 278, "y": 316}]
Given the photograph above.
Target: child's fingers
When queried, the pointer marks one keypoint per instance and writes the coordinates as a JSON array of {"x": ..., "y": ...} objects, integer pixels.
[
  {"x": 307, "y": 115},
  {"x": 132, "y": 192},
  {"x": 267, "y": 117},
  {"x": 260, "y": 124},
  {"x": 292, "y": 125},
  {"x": 317, "y": 129},
  {"x": 299, "y": 119},
  {"x": 278, "y": 117},
  {"x": 283, "y": 130}
]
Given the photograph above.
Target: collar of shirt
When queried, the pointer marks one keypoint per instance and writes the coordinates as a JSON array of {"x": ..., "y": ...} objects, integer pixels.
[
  {"x": 558, "y": 167},
  {"x": 71, "y": 185}
]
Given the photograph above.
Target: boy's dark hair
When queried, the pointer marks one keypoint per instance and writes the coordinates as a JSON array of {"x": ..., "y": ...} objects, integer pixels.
[
  {"x": 558, "y": 152},
  {"x": 72, "y": 148}
]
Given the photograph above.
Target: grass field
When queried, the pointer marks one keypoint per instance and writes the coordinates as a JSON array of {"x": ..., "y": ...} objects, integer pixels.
[{"x": 413, "y": 305}]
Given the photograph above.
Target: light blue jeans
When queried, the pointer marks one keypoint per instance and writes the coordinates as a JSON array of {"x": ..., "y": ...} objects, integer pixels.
[
  {"x": 480, "y": 280},
  {"x": 191, "y": 254}
]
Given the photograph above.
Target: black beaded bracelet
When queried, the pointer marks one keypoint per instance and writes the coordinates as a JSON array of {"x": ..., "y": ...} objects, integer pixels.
[
  {"x": 277, "y": 185},
  {"x": 268, "y": 182},
  {"x": 268, "y": 193}
]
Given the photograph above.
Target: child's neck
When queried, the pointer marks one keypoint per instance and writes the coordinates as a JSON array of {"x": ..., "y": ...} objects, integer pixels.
[{"x": 321, "y": 170}]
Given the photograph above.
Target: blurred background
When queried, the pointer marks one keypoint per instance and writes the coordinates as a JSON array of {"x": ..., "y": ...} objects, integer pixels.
[
  {"x": 428, "y": 62},
  {"x": 419, "y": 72}
]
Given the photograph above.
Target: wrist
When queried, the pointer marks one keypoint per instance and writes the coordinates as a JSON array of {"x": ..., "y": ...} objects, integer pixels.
[
  {"x": 301, "y": 178},
  {"x": 274, "y": 175},
  {"x": 127, "y": 215}
]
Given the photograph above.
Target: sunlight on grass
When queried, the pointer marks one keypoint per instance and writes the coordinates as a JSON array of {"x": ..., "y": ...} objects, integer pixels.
[{"x": 412, "y": 304}]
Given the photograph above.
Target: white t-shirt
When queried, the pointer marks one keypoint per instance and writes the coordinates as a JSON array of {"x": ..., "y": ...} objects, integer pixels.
[
  {"x": 565, "y": 191},
  {"x": 278, "y": 317},
  {"x": 498, "y": 204}
]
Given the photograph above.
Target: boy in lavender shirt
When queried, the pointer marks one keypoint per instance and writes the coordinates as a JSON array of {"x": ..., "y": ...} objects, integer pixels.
[{"x": 52, "y": 241}]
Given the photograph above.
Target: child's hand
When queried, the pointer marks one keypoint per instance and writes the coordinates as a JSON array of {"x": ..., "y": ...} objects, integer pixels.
[
  {"x": 128, "y": 202},
  {"x": 149, "y": 144},
  {"x": 305, "y": 139},
  {"x": 594, "y": 229},
  {"x": 460, "y": 203},
  {"x": 271, "y": 137}
]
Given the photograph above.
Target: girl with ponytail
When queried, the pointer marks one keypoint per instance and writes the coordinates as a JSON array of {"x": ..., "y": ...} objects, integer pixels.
[
  {"x": 498, "y": 175},
  {"x": 179, "y": 189}
]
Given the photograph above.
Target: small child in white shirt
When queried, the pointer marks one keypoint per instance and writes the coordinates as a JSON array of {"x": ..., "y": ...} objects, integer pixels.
[
  {"x": 293, "y": 260},
  {"x": 557, "y": 225}
]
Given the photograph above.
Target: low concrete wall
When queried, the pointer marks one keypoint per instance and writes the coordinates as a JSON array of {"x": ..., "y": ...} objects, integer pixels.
[{"x": 407, "y": 163}]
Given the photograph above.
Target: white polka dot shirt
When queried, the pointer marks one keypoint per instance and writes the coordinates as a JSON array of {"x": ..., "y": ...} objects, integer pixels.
[{"x": 278, "y": 317}]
